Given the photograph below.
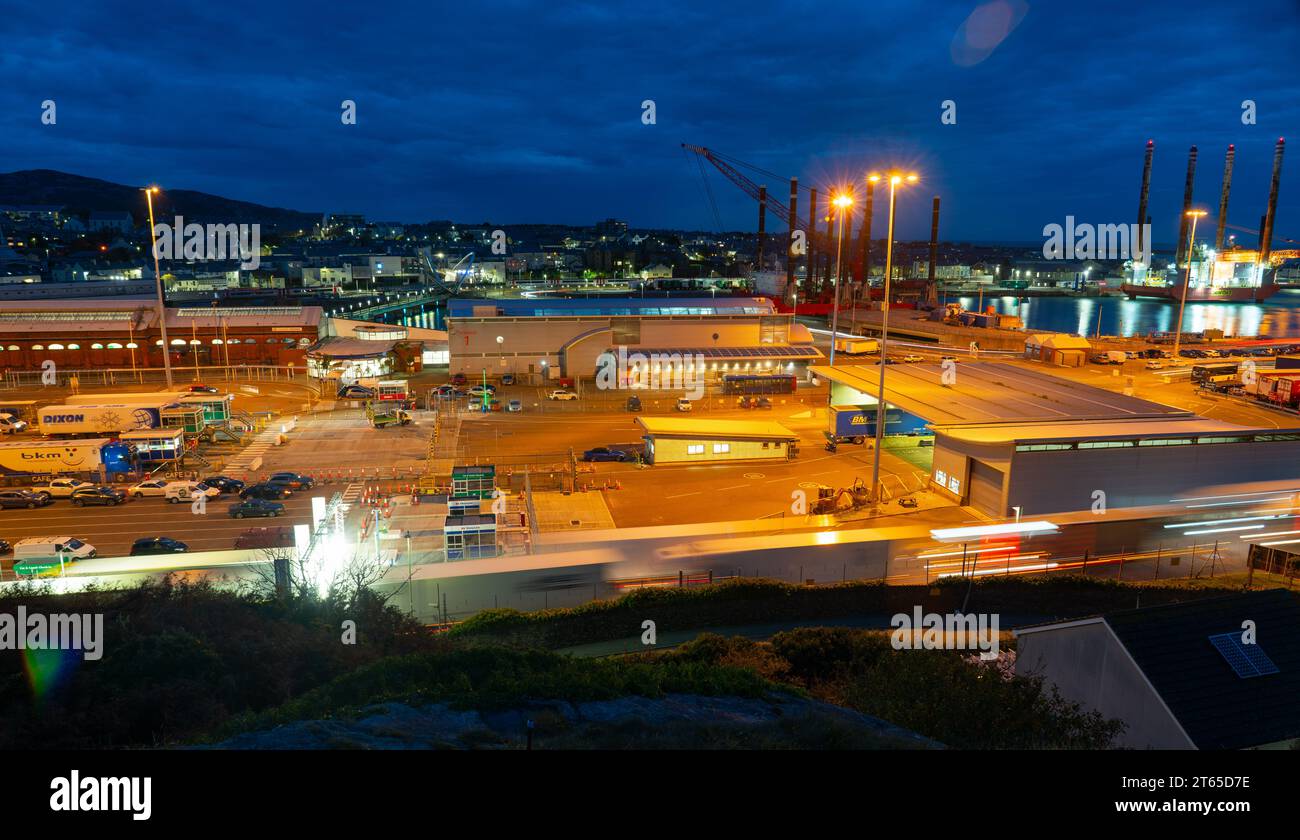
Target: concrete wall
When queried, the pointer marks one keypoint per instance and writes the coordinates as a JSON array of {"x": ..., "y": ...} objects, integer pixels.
[
  {"x": 674, "y": 450},
  {"x": 1057, "y": 481},
  {"x": 1088, "y": 665}
]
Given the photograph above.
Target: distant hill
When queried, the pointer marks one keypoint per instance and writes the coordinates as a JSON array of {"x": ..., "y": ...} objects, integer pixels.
[{"x": 81, "y": 195}]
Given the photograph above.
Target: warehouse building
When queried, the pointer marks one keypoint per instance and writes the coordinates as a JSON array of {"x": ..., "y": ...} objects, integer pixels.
[
  {"x": 1007, "y": 437},
  {"x": 548, "y": 338},
  {"x": 685, "y": 440}
]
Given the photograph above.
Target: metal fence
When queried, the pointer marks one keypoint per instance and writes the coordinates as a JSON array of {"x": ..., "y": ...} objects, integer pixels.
[{"x": 105, "y": 377}]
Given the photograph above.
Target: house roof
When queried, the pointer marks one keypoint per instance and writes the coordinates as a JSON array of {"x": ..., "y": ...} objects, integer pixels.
[
  {"x": 691, "y": 427},
  {"x": 1215, "y": 707}
]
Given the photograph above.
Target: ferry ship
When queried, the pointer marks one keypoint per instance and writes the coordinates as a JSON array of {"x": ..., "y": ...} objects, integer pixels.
[{"x": 1229, "y": 277}]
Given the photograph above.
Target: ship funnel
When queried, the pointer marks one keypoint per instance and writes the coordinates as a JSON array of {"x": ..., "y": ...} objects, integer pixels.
[
  {"x": 1266, "y": 234},
  {"x": 1142, "y": 198},
  {"x": 1223, "y": 198},
  {"x": 1179, "y": 255}
]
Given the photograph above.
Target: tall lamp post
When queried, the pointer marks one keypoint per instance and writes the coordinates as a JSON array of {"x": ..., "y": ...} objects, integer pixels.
[
  {"x": 842, "y": 202},
  {"x": 894, "y": 180},
  {"x": 157, "y": 277},
  {"x": 1187, "y": 281}
]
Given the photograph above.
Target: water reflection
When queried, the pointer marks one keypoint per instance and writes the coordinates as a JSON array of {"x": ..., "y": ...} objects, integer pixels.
[{"x": 1278, "y": 317}]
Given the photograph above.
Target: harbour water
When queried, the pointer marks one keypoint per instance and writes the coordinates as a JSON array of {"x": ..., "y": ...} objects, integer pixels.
[{"x": 1277, "y": 317}]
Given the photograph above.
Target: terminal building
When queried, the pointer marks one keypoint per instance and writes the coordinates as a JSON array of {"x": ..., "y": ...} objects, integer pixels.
[
  {"x": 124, "y": 332},
  {"x": 1008, "y": 437},
  {"x": 544, "y": 338}
]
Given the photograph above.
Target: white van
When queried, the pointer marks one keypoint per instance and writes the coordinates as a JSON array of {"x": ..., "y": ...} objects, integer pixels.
[
  {"x": 184, "y": 491},
  {"x": 10, "y": 424},
  {"x": 70, "y": 548}
]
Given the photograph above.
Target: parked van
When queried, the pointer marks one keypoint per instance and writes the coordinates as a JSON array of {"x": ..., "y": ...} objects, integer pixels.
[
  {"x": 184, "y": 491},
  {"x": 37, "y": 547},
  {"x": 10, "y": 424}
]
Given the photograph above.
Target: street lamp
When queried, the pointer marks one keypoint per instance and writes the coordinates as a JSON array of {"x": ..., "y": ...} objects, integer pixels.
[
  {"x": 157, "y": 276},
  {"x": 894, "y": 180},
  {"x": 842, "y": 202},
  {"x": 1187, "y": 281}
]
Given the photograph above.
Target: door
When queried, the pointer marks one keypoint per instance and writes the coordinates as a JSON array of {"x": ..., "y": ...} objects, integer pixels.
[{"x": 986, "y": 488}]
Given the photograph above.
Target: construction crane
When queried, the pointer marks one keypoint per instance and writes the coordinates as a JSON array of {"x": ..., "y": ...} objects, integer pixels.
[{"x": 823, "y": 244}]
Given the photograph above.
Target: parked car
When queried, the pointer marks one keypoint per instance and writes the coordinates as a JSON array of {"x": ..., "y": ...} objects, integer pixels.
[
  {"x": 507, "y": 379},
  {"x": 561, "y": 394},
  {"x": 59, "y": 488},
  {"x": 5, "y": 547},
  {"x": 912, "y": 357},
  {"x": 295, "y": 481},
  {"x": 15, "y": 498},
  {"x": 70, "y": 548},
  {"x": 98, "y": 496},
  {"x": 1155, "y": 364},
  {"x": 634, "y": 403},
  {"x": 255, "y": 507},
  {"x": 266, "y": 492},
  {"x": 447, "y": 391},
  {"x": 514, "y": 405},
  {"x": 604, "y": 453},
  {"x": 224, "y": 484},
  {"x": 754, "y": 402},
  {"x": 202, "y": 389},
  {"x": 683, "y": 404},
  {"x": 157, "y": 545},
  {"x": 150, "y": 487},
  {"x": 355, "y": 392},
  {"x": 458, "y": 379},
  {"x": 480, "y": 390},
  {"x": 273, "y": 537},
  {"x": 184, "y": 491}
]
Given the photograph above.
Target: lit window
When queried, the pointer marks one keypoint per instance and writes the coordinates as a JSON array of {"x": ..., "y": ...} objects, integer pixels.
[
  {"x": 721, "y": 448},
  {"x": 56, "y": 346},
  {"x": 176, "y": 341},
  {"x": 14, "y": 347},
  {"x": 38, "y": 347},
  {"x": 695, "y": 449},
  {"x": 941, "y": 478},
  {"x": 131, "y": 346},
  {"x": 954, "y": 485},
  {"x": 74, "y": 346},
  {"x": 96, "y": 347},
  {"x": 216, "y": 341}
]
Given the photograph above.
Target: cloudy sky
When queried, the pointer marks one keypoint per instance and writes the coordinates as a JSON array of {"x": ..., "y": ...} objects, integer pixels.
[{"x": 514, "y": 111}]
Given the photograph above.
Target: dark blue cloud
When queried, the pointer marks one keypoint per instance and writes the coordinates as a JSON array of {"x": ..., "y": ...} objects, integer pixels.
[{"x": 515, "y": 111}]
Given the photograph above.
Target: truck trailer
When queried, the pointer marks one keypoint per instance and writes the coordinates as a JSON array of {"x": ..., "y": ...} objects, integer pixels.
[
  {"x": 857, "y": 346},
  {"x": 99, "y": 456},
  {"x": 100, "y": 418}
]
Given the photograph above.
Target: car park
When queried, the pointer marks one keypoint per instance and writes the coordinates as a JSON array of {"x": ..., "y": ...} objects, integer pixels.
[
  {"x": 59, "y": 488},
  {"x": 16, "y": 498},
  {"x": 255, "y": 507},
  {"x": 266, "y": 491},
  {"x": 294, "y": 481},
  {"x": 224, "y": 484},
  {"x": 157, "y": 545},
  {"x": 561, "y": 394},
  {"x": 97, "y": 496}
]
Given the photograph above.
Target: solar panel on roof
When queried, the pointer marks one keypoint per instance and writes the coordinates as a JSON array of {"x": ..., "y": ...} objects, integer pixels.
[{"x": 1246, "y": 660}]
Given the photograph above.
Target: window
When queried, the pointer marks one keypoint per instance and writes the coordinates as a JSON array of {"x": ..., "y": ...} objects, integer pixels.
[
  {"x": 38, "y": 347},
  {"x": 1043, "y": 447},
  {"x": 941, "y": 478},
  {"x": 954, "y": 485},
  {"x": 766, "y": 445},
  {"x": 1105, "y": 444},
  {"x": 56, "y": 347},
  {"x": 695, "y": 449},
  {"x": 97, "y": 346},
  {"x": 74, "y": 346},
  {"x": 721, "y": 448},
  {"x": 1165, "y": 442}
]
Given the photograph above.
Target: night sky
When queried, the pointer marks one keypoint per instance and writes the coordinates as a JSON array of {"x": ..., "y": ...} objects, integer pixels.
[{"x": 531, "y": 112}]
